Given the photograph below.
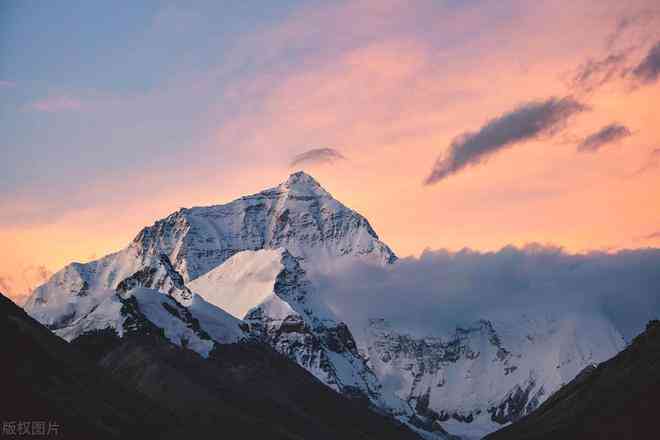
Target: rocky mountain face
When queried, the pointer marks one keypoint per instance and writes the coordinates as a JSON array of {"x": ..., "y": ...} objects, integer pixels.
[
  {"x": 489, "y": 373},
  {"x": 206, "y": 277},
  {"x": 617, "y": 399}
]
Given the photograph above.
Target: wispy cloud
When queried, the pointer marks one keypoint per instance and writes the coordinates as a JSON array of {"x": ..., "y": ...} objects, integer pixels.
[
  {"x": 628, "y": 40},
  {"x": 57, "y": 104},
  {"x": 317, "y": 156},
  {"x": 609, "y": 134},
  {"x": 648, "y": 70},
  {"x": 652, "y": 236},
  {"x": 526, "y": 122},
  {"x": 640, "y": 20},
  {"x": 7, "y": 84},
  {"x": 595, "y": 73}
]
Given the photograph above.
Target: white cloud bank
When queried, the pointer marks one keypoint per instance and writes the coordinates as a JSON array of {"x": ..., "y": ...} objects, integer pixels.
[{"x": 434, "y": 293}]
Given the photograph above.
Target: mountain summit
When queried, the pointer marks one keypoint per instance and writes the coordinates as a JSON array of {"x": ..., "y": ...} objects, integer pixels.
[
  {"x": 301, "y": 183},
  {"x": 298, "y": 215}
]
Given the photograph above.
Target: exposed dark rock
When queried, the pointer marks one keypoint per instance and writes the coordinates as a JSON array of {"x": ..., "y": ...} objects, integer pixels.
[
  {"x": 135, "y": 321},
  {"x": 461, "y": 418},
  {"x": 339, "y": 339},
  {"x": 513, "y": 406},
  {"x": 159, "y": 275},
  {"x": 84, "y": 289},
  {"x": 142, "y": 278}
]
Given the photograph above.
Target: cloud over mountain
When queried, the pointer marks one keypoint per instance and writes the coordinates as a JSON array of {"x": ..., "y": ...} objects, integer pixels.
[
  {"x": 442, "y": 289},
  {"x": 528, "y": 121},
  {"x": 317, "y": 156}
]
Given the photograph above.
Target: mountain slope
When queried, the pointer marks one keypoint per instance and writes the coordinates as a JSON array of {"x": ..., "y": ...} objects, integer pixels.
[
  {"x": 240, "y": 390},
  {"x": 45, "y": 379},
  {"x": 618, "y": 399},
  {"x": 145, "y": 386}
]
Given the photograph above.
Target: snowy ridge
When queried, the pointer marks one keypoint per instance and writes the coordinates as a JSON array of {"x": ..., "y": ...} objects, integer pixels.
[
  {"x": 120, "y": 291},
  {"x": 491, "y": 372},
  {"x": 197, "y": 327},
  {"x": 269, "y": 290}
]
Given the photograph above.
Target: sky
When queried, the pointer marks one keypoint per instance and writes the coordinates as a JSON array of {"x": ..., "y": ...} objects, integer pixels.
[{"x": 448, "y": 124}]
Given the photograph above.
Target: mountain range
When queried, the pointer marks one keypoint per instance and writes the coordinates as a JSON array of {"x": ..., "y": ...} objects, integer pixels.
[
  {"x": 141, "y": 385},
  {"x": 219, "y": 281}
]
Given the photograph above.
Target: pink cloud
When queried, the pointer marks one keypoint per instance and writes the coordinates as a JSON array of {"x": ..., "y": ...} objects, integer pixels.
[
  {"x": 7, "y": 84},
  {"x": 57, "y": 103}
]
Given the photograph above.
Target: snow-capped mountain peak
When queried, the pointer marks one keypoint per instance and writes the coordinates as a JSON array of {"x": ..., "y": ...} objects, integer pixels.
[
  {"x": 297, "y": 215},
  {"x": 287, "y": 227},
  {"x": 302, "y": 184}
]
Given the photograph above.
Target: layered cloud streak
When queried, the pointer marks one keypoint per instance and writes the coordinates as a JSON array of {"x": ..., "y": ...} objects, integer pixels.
[
  {"x": 611, "y": 133},
  {"x": 528, "y": 121}
]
